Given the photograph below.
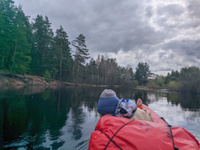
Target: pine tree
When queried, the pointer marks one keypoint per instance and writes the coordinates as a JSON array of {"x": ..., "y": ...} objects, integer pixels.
[
  {"x": 22, "y": 47},
  {"x": 63, "y": 53},
  {"x": 2, "y": 40},
  {"x": 7, "y": 17},
  {"x": 81, "y": 53},
  {"x": 142, "y": 73},
  {"x": 43, "y": 44},
  {"x": 15, "y": 48}
]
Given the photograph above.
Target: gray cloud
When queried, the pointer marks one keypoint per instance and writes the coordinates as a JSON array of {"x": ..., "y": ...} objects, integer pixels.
[
  {"x": 193, "y": 8},
  {"x": 171, "y": 10},
  {"x": 149, "y": 11},
  {"x": 186, "y": 47},
  {"x": 164, "y": 34}
]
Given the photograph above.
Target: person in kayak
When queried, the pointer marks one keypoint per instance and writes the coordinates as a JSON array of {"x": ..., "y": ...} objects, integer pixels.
[
  {"x": 121, "y": 133},
  {"x": 109, "y": 104}
]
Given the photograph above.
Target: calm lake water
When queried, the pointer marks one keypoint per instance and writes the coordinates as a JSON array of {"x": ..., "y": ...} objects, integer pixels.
[{"x": 34, "y": 118}]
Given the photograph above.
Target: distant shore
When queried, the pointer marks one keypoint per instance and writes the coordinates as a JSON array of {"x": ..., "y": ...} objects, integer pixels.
[{"x": 17, "y": 81}]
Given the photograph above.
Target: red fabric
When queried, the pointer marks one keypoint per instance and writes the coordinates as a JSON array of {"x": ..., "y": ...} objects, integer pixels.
[
  {"x": 139, "y": 135},
  {"x": 155, "y": 117},
  {"x": 184, "y": 139}
]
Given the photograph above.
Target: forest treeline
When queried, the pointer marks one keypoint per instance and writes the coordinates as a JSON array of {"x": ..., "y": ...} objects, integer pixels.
[{"x": 33, "y": 48}]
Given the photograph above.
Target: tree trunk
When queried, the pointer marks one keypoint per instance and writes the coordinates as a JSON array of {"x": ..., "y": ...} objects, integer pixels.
[
  {"x": 2, "y": 62},
  {"x": 43, "y": 55},
  {"x": 13, "y": 62},
  {"x": 60, "y": 60},
  {"x": 74, "y": 66}
]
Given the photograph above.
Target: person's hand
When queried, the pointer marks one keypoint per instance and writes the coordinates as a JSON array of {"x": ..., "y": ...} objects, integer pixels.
[{"x": 139, "y": 102}]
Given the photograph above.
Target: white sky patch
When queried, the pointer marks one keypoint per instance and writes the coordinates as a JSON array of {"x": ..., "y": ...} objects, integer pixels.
[
  {"x": 124, "y": 58},
  {"x": 167, "y": 2}
]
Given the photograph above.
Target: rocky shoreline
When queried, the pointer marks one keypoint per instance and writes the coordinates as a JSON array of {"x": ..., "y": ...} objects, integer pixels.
[{"x": 20, "y": 81}]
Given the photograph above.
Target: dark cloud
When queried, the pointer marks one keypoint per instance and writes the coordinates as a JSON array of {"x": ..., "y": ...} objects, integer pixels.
[
  {"x": 149, "y": 11},
  {"x": 193, "y": 8},
  {"x": 186, "y": 47},
  {"x": 176, "y": 17},
  {"x": 172, "y": 10}
]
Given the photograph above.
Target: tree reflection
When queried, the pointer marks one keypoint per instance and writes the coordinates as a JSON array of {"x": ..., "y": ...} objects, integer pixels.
[
  {"x": 15, "y": 120},
  {"x": 30, "y": 118},
  {"x": 186, "y": 100},
  {"x": 77, "y": 118}
]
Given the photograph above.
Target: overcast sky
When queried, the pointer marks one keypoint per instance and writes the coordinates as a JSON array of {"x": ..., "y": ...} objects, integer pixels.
[{"x": 163, "y": 33}]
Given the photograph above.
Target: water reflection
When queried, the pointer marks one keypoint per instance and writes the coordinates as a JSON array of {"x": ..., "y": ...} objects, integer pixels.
[
  {"x": 36, "y": 120},
  {"x": 65, "y": 118},
  {"x": 28, "y": 118},
  {"x": 187, "y": 101}
]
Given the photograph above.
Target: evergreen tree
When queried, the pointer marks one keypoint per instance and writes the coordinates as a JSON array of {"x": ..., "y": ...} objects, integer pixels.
[
  {"x": 142, "y": 73},
  {"x": 15, "y": 48},
  {"x": 43, "y": 44},
  {"x": 21, "y": 56},
  {"x": 92, "y": 72},
  {"x": 2, "y": 40},
  {"x": 81, "y": 53},
  {"x": 7, "y": 17},
  {"x": 63, "y": 53},
  {"x": 172, "y": 77}
]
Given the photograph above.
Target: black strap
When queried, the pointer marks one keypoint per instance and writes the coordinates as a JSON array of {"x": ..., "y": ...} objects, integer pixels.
[
  {"x": 169, "y": 126},
  {"x": 111, "y": 139},
  {"x": 175, "y": 148},
  {"x": 165, "y": 122},
  {"x": 117, "y": 132}
]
